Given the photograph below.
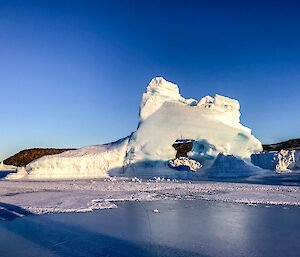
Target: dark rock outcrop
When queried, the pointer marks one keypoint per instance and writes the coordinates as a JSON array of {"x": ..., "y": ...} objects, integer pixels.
[
  {"x": 293, "y": 144},
  {"x": 183, "y": 147},
  {"x": 24, "y": 157}
]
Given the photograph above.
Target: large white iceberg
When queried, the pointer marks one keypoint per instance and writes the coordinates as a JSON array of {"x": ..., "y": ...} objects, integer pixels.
[{"x": 212, "y": 123}]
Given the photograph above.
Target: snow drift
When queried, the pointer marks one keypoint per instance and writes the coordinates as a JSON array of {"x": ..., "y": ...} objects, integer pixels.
[{"x": 212, "y": 123}]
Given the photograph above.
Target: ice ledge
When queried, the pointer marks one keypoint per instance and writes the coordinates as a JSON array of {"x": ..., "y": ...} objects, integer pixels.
[{"x": 160, "y": 91}]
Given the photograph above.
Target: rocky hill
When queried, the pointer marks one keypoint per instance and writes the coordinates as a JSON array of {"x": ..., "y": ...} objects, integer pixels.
[
  {"x": 292, "y": 144},
  {"x": 24, "y": 157}
]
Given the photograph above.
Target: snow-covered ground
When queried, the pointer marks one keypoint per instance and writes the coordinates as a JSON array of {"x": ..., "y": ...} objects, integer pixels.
[{"x": 86, "y": 195}]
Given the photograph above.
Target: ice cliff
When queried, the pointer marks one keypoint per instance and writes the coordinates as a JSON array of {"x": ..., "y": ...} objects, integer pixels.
[{"x": 211, "y": 123}]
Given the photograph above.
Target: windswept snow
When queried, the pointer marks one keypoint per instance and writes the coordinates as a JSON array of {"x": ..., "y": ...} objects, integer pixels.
[{"x": 213, "y": 123}]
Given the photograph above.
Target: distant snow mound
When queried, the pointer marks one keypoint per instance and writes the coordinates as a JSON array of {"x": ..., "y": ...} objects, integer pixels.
[
  {"x": 282, "y": 161},
  {"x": 165, "y": 117}
]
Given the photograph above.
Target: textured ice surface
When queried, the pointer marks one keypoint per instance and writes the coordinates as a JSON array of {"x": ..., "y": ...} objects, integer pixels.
[
  {"x": 79, "y": 196},
  {"x": 213, "y": 123},
  {"x": 282, "y": 161},
  {"x": 230, "y": 166}
]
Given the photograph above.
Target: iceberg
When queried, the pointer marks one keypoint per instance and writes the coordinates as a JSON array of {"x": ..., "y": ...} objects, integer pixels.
[{"x": 212, "y": 124}]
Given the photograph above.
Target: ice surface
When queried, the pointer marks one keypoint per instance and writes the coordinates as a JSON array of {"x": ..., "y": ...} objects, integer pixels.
[
  {"x": 87, "y": 195},
  {"x": 213, "y": 123},
  {"x": 282, "y": 161},
  {"x": 158, "y": 92},
  {"x": 231, "y": 167}
]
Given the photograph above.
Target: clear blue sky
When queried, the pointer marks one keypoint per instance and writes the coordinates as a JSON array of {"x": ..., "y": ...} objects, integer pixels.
[{"x": 72, "y": 72}]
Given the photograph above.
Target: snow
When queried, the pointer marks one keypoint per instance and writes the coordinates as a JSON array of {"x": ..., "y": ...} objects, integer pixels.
[
  {"x": 86, "y": 195},
  {"x": 87, "y": 162},
  {"x": 282, "y": 161},
  {"x": 182, "y": 163},
  {"x": 4, "y": 167},
  {"x": 213, "y": 123},
  {"x": 19, "y": 174}
]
